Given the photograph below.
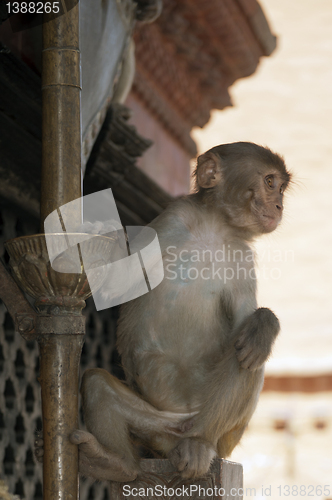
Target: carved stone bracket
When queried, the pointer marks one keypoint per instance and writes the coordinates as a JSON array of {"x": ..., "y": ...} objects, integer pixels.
[
  {"x": 113, "y": 164},
  {"x": 127, "y": 144}
]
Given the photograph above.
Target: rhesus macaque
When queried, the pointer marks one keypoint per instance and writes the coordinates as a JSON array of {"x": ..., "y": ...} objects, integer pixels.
[{"x": 193, "y": 349}]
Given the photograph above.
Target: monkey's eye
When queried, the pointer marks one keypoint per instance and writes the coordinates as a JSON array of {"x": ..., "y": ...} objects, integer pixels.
[
  {"x": 269, "y": 181},
  {"x": 282, "y": 189}
]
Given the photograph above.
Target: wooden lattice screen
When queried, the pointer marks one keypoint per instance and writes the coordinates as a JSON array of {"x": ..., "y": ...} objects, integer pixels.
[{"x": 20, "y": 402}]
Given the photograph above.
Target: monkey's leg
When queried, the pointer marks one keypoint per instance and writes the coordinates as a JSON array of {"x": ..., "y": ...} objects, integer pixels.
[
  {"x": 228, "y": 441},
  {"x": 230, "y": 399},
  {"x": 111, "y": 412},
  {"x": 192, "y": 456}
]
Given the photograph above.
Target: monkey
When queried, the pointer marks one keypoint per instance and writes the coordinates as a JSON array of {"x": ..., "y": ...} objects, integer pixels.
[{"x": 193, "y": 349}]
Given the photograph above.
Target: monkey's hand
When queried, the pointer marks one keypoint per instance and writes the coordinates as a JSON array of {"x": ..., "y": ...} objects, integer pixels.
[
  {"x": 192, "y": 457},
  {"x": 255, "y": 338}
]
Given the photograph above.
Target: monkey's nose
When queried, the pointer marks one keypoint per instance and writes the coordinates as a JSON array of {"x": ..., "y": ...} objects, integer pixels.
[{"x": 279, "y": 207}]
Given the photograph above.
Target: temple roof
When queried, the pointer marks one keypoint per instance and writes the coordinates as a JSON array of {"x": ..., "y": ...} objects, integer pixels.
[{"x": 192, "y": 54}]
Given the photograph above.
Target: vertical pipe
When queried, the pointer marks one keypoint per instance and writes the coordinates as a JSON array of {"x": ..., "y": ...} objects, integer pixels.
[
  {"x": 59, "y": 366},
  {"x": 61, "y": 183},
  {"x": 61, "y": 93}
]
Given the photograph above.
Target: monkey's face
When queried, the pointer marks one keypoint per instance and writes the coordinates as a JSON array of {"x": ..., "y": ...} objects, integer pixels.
[
  {"x": 246, "y": 183},
  {"x": 266, "y": 204}
]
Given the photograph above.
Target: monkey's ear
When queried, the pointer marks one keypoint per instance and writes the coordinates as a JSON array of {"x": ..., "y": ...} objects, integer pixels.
[{"x": 208, "y": 173}]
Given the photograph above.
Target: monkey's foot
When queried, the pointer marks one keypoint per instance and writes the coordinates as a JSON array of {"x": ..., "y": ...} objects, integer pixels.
[
  {"x": 192, "y": 457},
  {"x": 94, "y": 459},
  {"x": 100, "y": 463}
]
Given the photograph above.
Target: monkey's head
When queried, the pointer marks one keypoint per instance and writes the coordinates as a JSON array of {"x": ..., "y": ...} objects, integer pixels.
[{"x": 246, "y": 183}]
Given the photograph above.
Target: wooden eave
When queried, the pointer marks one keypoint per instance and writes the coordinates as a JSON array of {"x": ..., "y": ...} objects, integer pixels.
[
  {"x": 112, "y": 163},
  {"x": 187, "y": 60}
]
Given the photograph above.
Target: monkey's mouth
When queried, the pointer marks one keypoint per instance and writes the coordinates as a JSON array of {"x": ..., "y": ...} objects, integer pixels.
[{"x": 270, "y": 222}]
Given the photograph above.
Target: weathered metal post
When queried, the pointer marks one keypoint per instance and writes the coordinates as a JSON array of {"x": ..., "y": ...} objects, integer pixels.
[
  {"x": 61, "y": 139},
  {"x": 61, "y": 183}
]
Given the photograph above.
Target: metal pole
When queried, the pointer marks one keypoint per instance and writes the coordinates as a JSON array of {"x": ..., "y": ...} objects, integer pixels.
[
  {"x": 61, "y": 183},
  {"x": 59, "y": 371},
  {"x": 61, "y": 90}
]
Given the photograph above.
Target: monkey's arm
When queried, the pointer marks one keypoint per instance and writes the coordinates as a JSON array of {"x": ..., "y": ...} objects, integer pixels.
[
  {"x": 255, "y": 337},
  {"x": 254, "y": 330}
]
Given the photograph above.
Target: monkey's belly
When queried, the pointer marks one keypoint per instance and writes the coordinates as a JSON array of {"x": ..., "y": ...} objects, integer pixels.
[
  {"x": 177, "y": 338},
  {"x": 172, "y": 382}
]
